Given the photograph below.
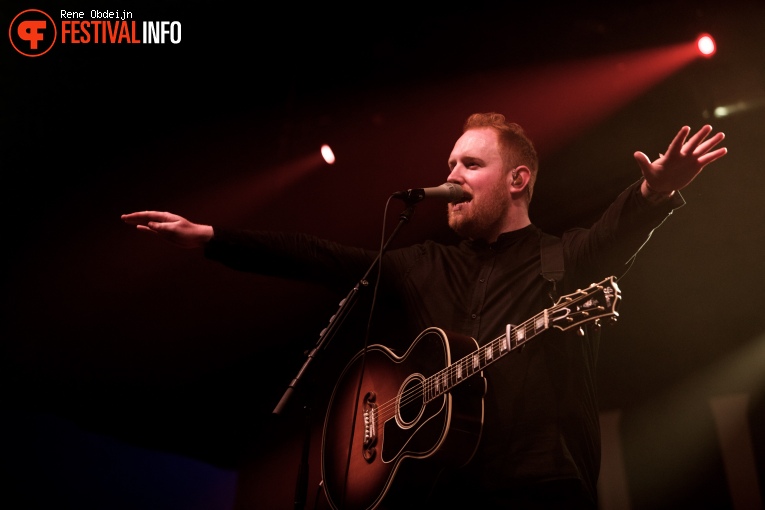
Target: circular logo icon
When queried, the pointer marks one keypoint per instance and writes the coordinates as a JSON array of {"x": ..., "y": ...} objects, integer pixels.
[{"x": 32, "y": 33}]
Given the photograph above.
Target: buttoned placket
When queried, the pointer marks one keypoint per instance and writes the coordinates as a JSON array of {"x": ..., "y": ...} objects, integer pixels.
[{"x": 479, "y": 292}]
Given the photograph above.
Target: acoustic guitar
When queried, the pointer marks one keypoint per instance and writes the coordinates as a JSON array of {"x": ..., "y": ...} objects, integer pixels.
[{"x": 392, "y": 418}]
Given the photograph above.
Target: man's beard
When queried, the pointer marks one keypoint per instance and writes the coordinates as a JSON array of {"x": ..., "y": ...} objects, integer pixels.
[{"x": 485, "y": 215}]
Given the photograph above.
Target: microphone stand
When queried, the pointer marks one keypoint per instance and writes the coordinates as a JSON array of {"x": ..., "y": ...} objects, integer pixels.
[{"x": 345, "y": 306}]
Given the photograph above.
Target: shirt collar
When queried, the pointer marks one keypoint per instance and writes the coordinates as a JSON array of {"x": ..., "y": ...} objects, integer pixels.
[{"x": 504, "y": 240}]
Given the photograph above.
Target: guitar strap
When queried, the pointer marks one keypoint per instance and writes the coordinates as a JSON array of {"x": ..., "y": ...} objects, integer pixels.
[{"x": 551, "y": 249}]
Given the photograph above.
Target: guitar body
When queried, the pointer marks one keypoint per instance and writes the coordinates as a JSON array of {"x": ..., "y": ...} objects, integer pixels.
[{"x": 385, "y": 431}]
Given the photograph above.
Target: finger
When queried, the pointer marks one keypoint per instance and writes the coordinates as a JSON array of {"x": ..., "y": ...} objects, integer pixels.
[
  {"x": 134, "y": 218},
  {"x": 160, "y": 226},
  {"x": 707, "y": 145},
  {"x": 697, "y": 138},
  {"x": 139, "y": 213},
  {"x": 679, "y": 140},
  {"x": 145, "y": 216},
  {"x": 712, "y": 156},
  {"x": 643, "y": 161}
]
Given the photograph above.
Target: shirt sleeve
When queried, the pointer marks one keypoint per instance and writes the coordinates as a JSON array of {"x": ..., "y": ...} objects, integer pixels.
[
  {"x": 611, "y": 244},
  {"x": 290, "y": 255}
]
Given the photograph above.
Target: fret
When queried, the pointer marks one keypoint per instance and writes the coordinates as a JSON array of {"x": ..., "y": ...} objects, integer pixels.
[{"x": 540, "y": 322}]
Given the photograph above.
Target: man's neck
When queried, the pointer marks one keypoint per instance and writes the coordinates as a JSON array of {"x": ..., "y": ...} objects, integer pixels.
[{"x": 517, "y": 220}]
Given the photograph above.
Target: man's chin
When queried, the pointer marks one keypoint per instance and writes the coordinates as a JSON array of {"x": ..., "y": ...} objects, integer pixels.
[{"x": 457, "y": 224}]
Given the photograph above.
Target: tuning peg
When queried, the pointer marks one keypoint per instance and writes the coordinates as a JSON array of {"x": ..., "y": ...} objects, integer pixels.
[{"x": 580, "y": 331}]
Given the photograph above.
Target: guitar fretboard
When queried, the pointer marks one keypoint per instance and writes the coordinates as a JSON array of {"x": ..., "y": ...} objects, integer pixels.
[
  {"x": 591, "y": 304},
  {"x": 514, "y": 337}
]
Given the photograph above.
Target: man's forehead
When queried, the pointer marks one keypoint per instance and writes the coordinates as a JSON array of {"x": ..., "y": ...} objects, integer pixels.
[{"x": 476, "y": 142}]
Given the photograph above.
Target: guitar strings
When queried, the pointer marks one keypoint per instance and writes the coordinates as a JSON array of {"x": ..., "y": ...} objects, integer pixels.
[
  {"x": 418, "y": 392},
  {"x": 443, "y": 376},
  {"x": 486, "y": 355}
]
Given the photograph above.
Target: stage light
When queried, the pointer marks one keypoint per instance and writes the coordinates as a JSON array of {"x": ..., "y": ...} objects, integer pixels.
[
  {"x": 327, "y": 154},
  {"x": 706, "y": 45}
]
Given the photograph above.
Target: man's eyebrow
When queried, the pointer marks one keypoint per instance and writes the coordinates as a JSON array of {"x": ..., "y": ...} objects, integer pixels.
[{"x": 467, "y": 159}]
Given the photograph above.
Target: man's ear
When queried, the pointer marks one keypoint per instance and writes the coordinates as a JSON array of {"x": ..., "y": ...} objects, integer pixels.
[{"x": 519, "y": 178}]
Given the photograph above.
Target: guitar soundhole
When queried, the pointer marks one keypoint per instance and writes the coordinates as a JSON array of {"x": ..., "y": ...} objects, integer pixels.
[{"x": 410, "y": 401}]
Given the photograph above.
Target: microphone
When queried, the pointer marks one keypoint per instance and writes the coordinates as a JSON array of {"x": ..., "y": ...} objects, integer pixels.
[{"x": 448, "y": 191}]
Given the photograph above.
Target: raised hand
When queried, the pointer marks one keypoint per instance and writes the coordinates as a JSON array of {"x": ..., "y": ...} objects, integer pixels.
[{"x": 683, "y": 161}]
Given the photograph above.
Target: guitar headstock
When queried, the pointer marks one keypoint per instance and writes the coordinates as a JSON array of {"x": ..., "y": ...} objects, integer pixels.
[{"x": 596, "y": 302}]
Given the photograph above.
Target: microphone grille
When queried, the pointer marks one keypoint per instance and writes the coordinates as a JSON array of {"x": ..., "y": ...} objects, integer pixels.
[{"x": 455, "y": 191}]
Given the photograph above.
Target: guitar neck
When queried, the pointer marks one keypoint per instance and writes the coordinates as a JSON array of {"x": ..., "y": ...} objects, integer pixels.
[
  {"x": 592, "y": 304},
  {"x": 514, "y": 337}
]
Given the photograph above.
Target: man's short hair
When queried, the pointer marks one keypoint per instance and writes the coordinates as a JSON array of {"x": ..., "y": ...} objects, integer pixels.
[{"x": 517, "y": 148}]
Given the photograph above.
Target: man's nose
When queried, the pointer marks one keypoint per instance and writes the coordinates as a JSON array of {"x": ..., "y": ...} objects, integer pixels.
[{"x": 455, "y": 175}]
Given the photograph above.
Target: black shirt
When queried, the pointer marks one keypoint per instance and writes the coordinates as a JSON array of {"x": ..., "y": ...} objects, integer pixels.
[{"x": 541, "y": 413}]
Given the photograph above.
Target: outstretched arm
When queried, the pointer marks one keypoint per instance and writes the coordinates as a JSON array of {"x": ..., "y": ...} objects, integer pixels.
[
  {"x": 682, "y": 162},
  {"x": 171, "y": 227}
]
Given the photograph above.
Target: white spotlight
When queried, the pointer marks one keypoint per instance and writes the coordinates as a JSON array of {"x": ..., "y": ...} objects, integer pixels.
[{"x": 327, "y": 154}]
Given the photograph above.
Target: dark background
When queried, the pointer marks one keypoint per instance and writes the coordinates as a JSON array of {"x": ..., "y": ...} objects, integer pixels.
[{"x": 139, "y": 375}]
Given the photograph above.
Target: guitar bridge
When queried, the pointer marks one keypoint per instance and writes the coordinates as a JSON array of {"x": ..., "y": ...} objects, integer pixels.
[{"x": 370, "y": 426}]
